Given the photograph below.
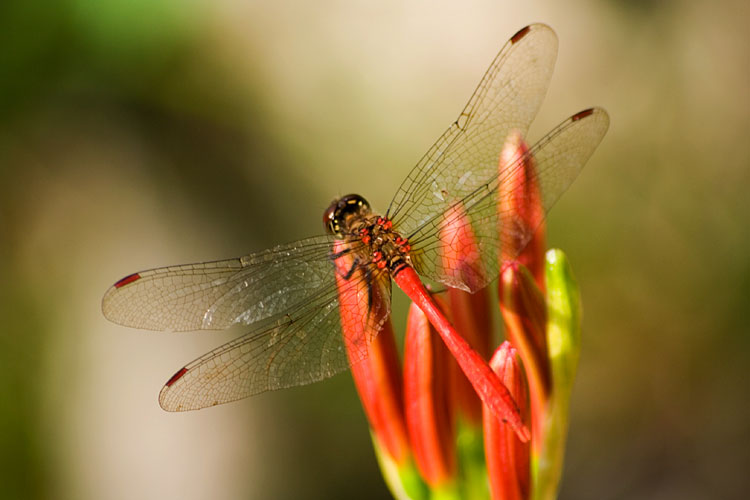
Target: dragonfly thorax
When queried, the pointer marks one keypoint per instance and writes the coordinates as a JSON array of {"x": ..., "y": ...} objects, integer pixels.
[
  {"x": 385, "y": 247},
  {"x": 350, "y": 218}
]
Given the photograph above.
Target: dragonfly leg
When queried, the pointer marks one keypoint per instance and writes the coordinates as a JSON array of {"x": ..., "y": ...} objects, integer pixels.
[
  {"x": 370, "y": 291},
  {"x": 350, "y": 272},
  {"x": 338, "y": 255},
  {"x": 335, "y": 256}
]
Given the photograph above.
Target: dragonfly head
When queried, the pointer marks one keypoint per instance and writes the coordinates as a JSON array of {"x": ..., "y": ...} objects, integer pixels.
[{"x": 338, "y": 216}]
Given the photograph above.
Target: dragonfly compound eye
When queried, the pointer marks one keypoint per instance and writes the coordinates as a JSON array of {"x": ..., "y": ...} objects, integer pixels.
[{"x": 338, "y": 216}]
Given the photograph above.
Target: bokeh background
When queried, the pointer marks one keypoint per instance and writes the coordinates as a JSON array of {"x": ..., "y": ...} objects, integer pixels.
[{"x": 141, "y": 133}]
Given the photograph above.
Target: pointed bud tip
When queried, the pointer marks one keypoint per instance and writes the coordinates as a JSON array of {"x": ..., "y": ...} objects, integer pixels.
[{"x": 523, "y": 434}]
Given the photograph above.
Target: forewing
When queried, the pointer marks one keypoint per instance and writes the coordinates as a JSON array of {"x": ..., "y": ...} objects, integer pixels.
[
  {"x": 215, "y": 295},
  {"x": 558, "y": 157},
  {"x": 304, "y": 346},
  {"x": 466, "y": 155}
]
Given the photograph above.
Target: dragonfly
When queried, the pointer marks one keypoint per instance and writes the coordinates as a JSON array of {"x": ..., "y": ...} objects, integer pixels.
[{"x": 290, "y": 296}]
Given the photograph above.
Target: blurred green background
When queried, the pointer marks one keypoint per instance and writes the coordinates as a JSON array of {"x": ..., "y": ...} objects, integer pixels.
[{"x": 143, "y": 133}]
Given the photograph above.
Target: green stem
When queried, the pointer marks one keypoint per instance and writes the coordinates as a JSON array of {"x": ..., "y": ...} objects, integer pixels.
[{"x": 564, "y": 344}]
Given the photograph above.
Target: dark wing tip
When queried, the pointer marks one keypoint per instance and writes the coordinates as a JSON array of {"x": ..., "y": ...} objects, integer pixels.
[
  {"x": 165, "y": 391},
  {"x": 599, "y": 114},
  {"x": 582, "y": 114},
  {"x": 110, "y": 299},
  {"x": 523, "y": 32},
  {"x": 520, "y": 34},
  {"x": 127, "y": 280},
  {"x": 177, "y": 376}
]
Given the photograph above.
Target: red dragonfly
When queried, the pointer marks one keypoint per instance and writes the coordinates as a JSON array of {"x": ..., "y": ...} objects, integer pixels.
[{"x": 288, "y": 295}]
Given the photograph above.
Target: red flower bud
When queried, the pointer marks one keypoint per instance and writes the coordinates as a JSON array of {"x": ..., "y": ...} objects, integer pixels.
[
  {"x": 507, "y": 457},
  {"x": 524, "y": 312},
  {"x": 521, "y": 211},
  {"x": 521, "y": 287},
  {"x": 470, "y": 312},
  {"x": 428, "y": 416},
  {"x": 378, "y": 376}
]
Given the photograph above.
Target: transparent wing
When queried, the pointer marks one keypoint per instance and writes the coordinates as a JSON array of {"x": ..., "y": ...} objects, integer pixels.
[
  {"x": 215, "y": 295},
  {"x": 465, "y": 157},
  {"x": 304, "y": 345},
  {"x": 558, "y": 159}
]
